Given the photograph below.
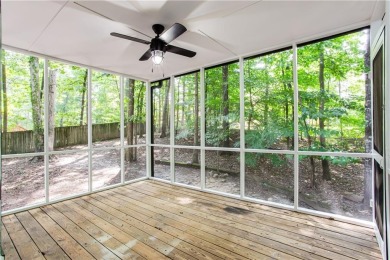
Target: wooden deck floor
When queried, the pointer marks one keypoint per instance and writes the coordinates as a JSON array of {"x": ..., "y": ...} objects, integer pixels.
[{"x": 153, "y": 220}]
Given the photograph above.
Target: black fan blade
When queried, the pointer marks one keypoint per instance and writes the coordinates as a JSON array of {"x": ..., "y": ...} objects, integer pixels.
[
  {"x": 172, "y": 33},
  {"x": 129, "y": 38},
  {"x": 180, "y": 51},
  {"x": 146, "y": 55}
]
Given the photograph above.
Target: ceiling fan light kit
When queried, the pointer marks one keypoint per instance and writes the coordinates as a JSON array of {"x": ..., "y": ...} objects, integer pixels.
[
  {"x": 157, "y": 57},
  {"x": 160, "y": 44}
]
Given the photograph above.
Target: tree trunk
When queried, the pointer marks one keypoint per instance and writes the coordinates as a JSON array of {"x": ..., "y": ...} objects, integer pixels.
[
  {"x": 84, "y": 91},
  {"x": 159, "y": 110},
  {"x": 286, "y": 112},
  {"x": 129, "y": 156},
  {"x": 5, "y": 108},
  {"x": 195, "y": 153},
  {"x": 324, "y": 162},
  {"x": 51, "y": 111},
  {"x": 177, "y": 108},
  {"x": 266, "y": 106},
  {"x": 252, "y": 109},
  {"x": 183, "y": 102},
  {"x": 36, "y": 105},
  {"x": 225, "y": 106},
  {"x": 312, "y": 164},
  {"x": 140, "y": 104},
  {"x": 5, "y": 102},
  {"x": 368, "y": 130},
  {"x": 165, "y": 111}
]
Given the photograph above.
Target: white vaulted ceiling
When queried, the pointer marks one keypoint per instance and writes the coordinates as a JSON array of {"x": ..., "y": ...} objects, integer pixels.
[{"x": 217, "y": 30}]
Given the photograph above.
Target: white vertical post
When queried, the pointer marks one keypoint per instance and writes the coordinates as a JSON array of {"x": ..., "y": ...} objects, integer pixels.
[
  {"x": 202, "y": 131},
  {"x": 1, "y": 145},
  {"x": 122, "y": 131},
  {"x": 149, "y": 130},
  {"x": 89, "y": 127},
  {"x": 242, "y": 129},
  {"x": 372, "y": 54},
  {"x": 46, "y": 126},
  {"x": 1, "y": 138},
  {"x": 387, "y": 119},
  {"x": 172, "y": 126},
  {"x": 296, "y": 156}
]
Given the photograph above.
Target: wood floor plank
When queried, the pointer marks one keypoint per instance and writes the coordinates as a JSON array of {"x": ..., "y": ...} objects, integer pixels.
[
  {"x": 25, "y": 246},
  {"x": 174, "y": 228},
  {"x": 321, "y": 222},
  {"x": 138, "y": 246},
  {"x": 154, "y": 220},
  {"x": 151, "y": 240},
  {"x": 48, "y": 247},
  {"x": 191, "y": 250},
  {"x": 228, "y": 243},
  {"x": 8, "y": 246},
  {"x": 93, "y": 246},
  {"x": 284, "y": 215},
  {"x": 268, "y": 238},
  {"x": 71, "y": 247},
  {"x": 118, "y": 248},
  {"x": 265, "y": 247},
  {"x": 266, "y": 224}
]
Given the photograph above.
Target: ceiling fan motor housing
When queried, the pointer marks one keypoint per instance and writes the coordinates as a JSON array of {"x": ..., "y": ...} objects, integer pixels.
[{"x": 157, "y": 44}]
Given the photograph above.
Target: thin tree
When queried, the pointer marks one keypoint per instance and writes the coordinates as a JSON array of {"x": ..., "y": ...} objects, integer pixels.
[
  {"x": 251, "y": 103},
  {"x": 287, "y": 90},
  {"x": 83, "y": 92},
  {"x": 177, "y": 107},
  {"x": 36, "y": 105},
  {"x": 140, "y": 104},
  {"x": 195, "y": 153},
  {"x": 225, "y": 106},
  {"x": 321, "y": 110},
  {"x": 3, "y": 100},
  {"x": 52, "y": 87},
  {"x": 129, "y": 156},
  {"x": 266, "y": 102},
  {"x": 183, "y": 101},
  {"x": 165, "y": 113},
  {"x": 312, "y": 163}
]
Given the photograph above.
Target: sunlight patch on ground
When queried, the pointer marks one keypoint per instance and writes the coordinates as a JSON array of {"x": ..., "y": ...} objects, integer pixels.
[
  {"x": 184, "y": 201},
  {"x": 131, "y": 243}
]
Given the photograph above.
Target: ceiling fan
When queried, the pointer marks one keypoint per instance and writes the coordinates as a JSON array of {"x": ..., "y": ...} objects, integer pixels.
[{"x": 160, "y": 44}]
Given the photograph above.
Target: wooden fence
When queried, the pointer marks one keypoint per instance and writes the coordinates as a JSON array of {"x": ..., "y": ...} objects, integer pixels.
[{"x": 23, "y": 141}]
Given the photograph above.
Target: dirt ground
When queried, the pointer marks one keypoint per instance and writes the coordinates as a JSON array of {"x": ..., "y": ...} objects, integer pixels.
[
  {"x": 269, "y": 178},
  {"x": 23, "y": 178}
]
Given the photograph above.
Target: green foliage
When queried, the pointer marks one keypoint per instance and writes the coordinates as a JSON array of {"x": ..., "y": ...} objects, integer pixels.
[
  {"x": 18, "y": 90},
  {"x": 70, "y": 91},
  {"x": 268, "y": 100},
  {"x": 217, "y": 116},
  {"x": 187, "y": 98},
  {"x": 257, "y": 159},
  {"x": 71, "y": 87},
  {"x": 263, "y": 138},
  {"x": 343, "y": 161},
  {"x": 343, "y": 95}
]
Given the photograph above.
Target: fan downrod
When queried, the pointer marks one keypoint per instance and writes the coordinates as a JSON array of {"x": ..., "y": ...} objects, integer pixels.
[{"x": 158, "y": 28}]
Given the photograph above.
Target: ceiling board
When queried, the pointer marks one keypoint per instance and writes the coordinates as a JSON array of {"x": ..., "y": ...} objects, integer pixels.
[{"x": 217, "y": 30}]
